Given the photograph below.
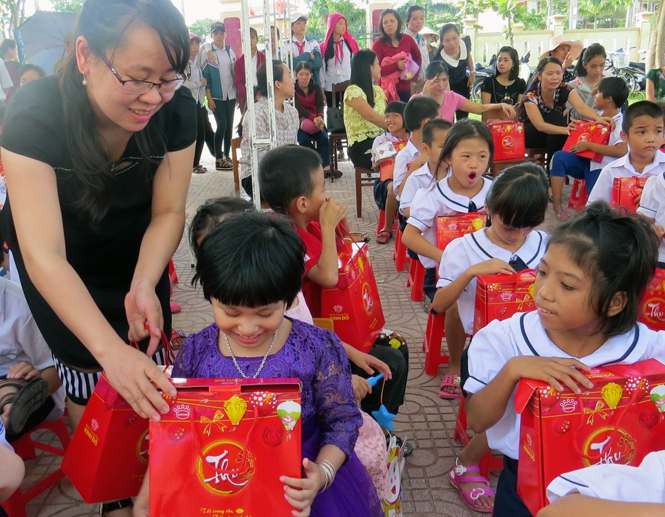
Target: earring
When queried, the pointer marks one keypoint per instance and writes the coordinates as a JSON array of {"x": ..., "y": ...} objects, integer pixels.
[{"x": 85, "y": 81}]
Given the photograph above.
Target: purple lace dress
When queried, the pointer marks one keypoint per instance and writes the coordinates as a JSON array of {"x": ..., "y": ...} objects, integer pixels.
[{"x": 329, "y": 414}]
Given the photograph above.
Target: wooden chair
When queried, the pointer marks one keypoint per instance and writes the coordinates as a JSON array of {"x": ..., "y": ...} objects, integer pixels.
[
  {"x": 417, "y": 86},
  {"x": 534, "y": 154},
  {"x": 235, "y": 145},
  {"x": 364, "y": 178},
  {"x": 337, "y": 140}
]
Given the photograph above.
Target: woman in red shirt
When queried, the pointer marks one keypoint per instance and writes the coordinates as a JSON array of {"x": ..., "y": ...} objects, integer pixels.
[{"x": 391, "y": 43}]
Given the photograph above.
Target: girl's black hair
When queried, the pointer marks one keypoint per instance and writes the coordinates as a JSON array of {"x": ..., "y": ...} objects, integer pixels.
[
  {"x": 618, "y": 252},
  {"x": 593, "y": 50},
  {"x": 29, "y": 66},
  {"x": 5, "y": 46},
  {"x": 396, "y": 107},
  {"x": 361, "y": 73},
  {"x": 465, "y": 128},
  {"x": 435, "y": 69},
  {"x": 384, "y": 36},
  {"x": 104, "y": 23},
  {"x": 210, "y": 214},
  {"x": 546, "y": 61},
  {"x": 447, "y": 27},
  {"x": 515, "y": 70},
  {"x": 303, "y": 64},
  {"x": 262, "y": 75},
  {"x": 251, "y": 260},
  {"x": 519, "y": 196},
  {"x": 412, "y": 10}
]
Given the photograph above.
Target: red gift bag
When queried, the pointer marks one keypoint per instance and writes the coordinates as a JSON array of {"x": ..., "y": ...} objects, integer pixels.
[
  {"x": 449, "y": 228},
  {"x": 619, "y": 421},
  {"x": 498, "y": 297},
  {"x": 354, "y": 304},
  {"x": 508, "y": 140},
  {"x": 223, "y": 447},
  {"x": 652, "y": 306},
  {"x": 387, "y": 168},
  {"x": 625, "y": 191},
  {"x": 588, "y": 131}
]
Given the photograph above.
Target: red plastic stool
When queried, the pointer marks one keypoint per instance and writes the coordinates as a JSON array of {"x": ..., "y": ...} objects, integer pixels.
[
  {"x": 578, "y": 195},
  {"x": 173, "y": 275},
  {"x": 400, "y": 255},
  {"x": 25, "y": 448},
  {"x": 488, "y": 462},
  {"x": 416, "y": 280},
  {"x": 434, "y": 334}
]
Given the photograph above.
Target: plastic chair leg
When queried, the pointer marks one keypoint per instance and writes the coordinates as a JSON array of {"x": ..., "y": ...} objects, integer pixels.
[
  {"x": 400, "y": 252},
  {"x": 416, "y": 280},
  {"x": 434, "y": 335}
]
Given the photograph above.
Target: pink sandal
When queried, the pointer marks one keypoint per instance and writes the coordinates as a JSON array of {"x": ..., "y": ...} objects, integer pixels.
[
  {"x": 470, "y": 497},
  {"x": 450, "y": 381}
]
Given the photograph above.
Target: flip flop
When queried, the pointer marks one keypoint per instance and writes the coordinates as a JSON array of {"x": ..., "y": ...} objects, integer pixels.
[
  {"x": 30, "y": 396},
  {"x": 450, "y": 381},
  {"x": 470, "y": 497},
  {"x": 381, "y": 236}
]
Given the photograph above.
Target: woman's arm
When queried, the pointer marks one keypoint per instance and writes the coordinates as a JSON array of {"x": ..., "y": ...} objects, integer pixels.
[
  {"x": 578, "y": 505},
  {"x": 41, "y": 235},
  {"x": 472, "y": 70},
  {"x": 366, "y": 111},
  {"x": 586, "y": 111},
  {"x": 650, "y": 90},
  {"x": 472, "y": 107},
  {"x": 536, "y": 118}
]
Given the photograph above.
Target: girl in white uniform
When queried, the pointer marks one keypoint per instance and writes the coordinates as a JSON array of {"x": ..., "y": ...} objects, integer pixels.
[
  {"x": 516, "y": 204},
  {"x": 587, "y": 292}
]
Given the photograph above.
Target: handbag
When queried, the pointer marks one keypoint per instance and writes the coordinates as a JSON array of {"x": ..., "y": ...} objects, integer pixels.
[{"x": 335, "y": 120}]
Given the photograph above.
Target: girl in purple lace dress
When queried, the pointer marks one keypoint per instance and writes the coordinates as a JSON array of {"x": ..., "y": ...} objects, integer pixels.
[{"x": 250, "y": 268}]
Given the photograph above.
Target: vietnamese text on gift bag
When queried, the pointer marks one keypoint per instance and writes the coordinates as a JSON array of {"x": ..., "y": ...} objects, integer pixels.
[
  {"x": 223, "y": 447},
  {"x": 619, "y": 421}
]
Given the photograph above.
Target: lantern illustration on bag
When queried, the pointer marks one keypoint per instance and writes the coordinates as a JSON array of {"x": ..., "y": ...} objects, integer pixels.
[
  {"x": 657, "y": 395},
  {"x": 612, "y": 394},
  {"x": 289, "y": 413},
  {"x": 235, "y": 408}
]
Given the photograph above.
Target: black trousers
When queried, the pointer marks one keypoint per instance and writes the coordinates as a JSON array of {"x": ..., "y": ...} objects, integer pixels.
[
  {"x": 358, "y": 153},
  {"x": 209, "y": 133},
  {"x": 397, "y": 360},
  {"x": 552, "y": 143},
  {"x": 507, "y": 502},
  {"x": 201, "y": 117},
  {"x": 224, "y": 117},
  {"x": 429, "y": 284}
]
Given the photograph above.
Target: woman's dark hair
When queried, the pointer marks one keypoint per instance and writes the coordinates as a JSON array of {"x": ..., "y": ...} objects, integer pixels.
[
  {"x": 210, "y": 214},
  {"x": 237, "y": 263},
  {"x": 446, "y": 28},
  {"x": 104, "y": 24},
  {"x": 411, "y": 10},
  {"x": 515, "y": 70},
  {"x": 435, "y": 69},
  {"x": 396, "y": 107},
  {"x": 546, "y": 61},
  {"x": 5, "y": 46},
  {"x": 593, "y": 50},
  {"x": 519, "y": 196},
  {"x": 301, "y": 65},
  {"x": 384, "y": 36},
  {"x": 262, "y": 75},
  {"x": 285, "y": 174},
  {"x": 465, "y": 128},
  {"x": 361, "y": 73},
  {"x": 27, "y": 67},
  {"x": 618, "y": 252}
]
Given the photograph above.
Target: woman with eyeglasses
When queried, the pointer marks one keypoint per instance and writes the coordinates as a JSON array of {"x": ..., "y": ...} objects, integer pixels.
[{"x": 99, "y": 161}]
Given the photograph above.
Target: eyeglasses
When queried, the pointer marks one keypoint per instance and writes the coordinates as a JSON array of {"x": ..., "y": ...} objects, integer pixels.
[{"x": 138, "y": 87}]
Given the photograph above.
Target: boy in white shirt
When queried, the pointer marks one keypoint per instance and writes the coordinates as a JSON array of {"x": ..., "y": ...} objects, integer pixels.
[{"x": 643, "y": 131}]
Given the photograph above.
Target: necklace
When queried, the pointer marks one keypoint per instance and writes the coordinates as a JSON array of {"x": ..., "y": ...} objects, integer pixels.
[{"x": 263, "y": 363}]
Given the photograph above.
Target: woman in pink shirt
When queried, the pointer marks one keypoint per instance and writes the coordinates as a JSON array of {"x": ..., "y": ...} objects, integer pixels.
[
  {"x": 438, "y": 88},
  {"x": 391, "y": 43}
]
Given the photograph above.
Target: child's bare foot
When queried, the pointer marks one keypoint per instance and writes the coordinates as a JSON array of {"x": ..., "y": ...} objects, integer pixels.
[{"x": 474, "y": 489}]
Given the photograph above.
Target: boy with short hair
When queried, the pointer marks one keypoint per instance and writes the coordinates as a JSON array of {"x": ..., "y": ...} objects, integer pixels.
[
  {"x": 433, "y": 135},
  {"x": 643, "y": 132},
  {"x": 612, "y": 94},
  {"x": 418, "y": 112}
]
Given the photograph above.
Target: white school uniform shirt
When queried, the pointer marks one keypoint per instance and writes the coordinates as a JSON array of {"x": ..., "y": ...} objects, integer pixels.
[
  {"x": 439, "y": 200},
  {"x": 332, "y": 71},
  {"x": 419, "y": 179},
  {"x": 622, "y": 168},
  {"x": 615, "y": 138},
  {"x": 523, "y": 334},
  {"x": 475, "y": 248},
  {"x": 226, "y": 61},
  {"x": 402, "y": 162},
  {"x": 310, "y": 45},
  {"x": 613, "y": 482},
  {"x": 652, "y": 204},
  {"x": 5, "y": 80}
]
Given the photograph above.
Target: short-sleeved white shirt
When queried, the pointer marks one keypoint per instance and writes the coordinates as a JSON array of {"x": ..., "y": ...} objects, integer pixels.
[
  {"x": 615, "y": 138},
  {"x": 523, "y": 334},
  {"x": 5, "y": 80},
  {"x": 440, "y": 200},
  {"x": 419, "y": 179},
  {"x": 622, "y": 168},
  {"x": 652, "y": 204},
  {"x": 402, "y": 162},
  {"x": 475, "y": 248}
]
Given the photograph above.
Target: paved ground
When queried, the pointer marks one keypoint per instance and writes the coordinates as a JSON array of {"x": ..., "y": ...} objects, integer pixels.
[{"x": 425, "y": 419}]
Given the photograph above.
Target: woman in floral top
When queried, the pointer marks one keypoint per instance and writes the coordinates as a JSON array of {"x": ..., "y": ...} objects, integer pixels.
[
  {"x": 364, "y": 107},
  {"x": 655, "y": 85},
  {"x": 286, "y": 117},
  {"x": 545, "y": 124}
]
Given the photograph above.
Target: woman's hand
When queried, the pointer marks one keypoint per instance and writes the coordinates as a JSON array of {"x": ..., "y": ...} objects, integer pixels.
[
  {"x": 508, "y": 110},
  {"x": 568, "y": 60},
  {"x": 493, "y": 266},
  {"x": 557, "y": 372},
  {"x": 608, "y": 121},
  {"x": 204, "y": 82},
  {"x": 472, "y": 79},
  {"x": 361, "y": 387},
  {"x": 144, "y": 312},
  {"x": 211, "y": 104},
  {"x": 318, "y": 121},
  {"x": 300, "y": 493},
  {"x": 371, "y": 364},
  {"x": 428, "y": 88},
  {"x": 401, "y": 64},
  {"x": 211, "y": 57}
]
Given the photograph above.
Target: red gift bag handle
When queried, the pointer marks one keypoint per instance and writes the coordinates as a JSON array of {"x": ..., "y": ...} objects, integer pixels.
[{"x": 166, "y": 345}]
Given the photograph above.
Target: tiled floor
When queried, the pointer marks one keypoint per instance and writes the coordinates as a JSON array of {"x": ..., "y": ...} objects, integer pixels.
[{"x": 425, "y": 419}]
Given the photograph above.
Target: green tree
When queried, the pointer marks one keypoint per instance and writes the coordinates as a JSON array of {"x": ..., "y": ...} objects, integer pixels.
[
  {"x": 201, "y": 27},
  {"x": 13, "y": 14},
  {"x": 321, "y": 9},
  {"x": 436, "y": 13},
  {"x": 603, "y": 13},
  {"x": 68, "y": 6}
]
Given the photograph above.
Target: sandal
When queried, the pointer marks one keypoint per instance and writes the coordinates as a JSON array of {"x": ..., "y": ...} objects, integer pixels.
[
  {"x": 450, "y": 381},
  {"x": 28, "y": 397},
  {"x": 381, "y": 236},
  {"x": 226, "y": 164},
  {"x": 563, "y": 215},
  {"x": 200, "y": 169},
  {"x": 470, "y": 497},
  {"x": 115, "y": 505},
  {"x": 219, "y": 164}
]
